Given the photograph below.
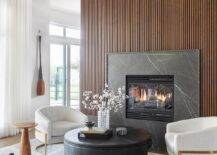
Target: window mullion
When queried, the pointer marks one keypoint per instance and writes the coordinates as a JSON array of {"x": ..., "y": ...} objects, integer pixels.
[
  {"x": 64, "y": 32},
  {"x": 68, "y": 90},
  {"x": 65, "y": 76}
]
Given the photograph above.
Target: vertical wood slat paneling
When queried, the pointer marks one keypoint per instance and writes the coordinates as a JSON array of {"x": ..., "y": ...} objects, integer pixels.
[
  {"x": 143, "y": 25},
  {"x": 128, "y": 25}
]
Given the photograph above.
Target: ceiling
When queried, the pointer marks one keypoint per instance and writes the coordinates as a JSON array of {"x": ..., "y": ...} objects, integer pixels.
[{"x": 66, "y": 5}]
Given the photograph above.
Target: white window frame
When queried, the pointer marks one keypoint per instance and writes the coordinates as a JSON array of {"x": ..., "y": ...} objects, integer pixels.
[{"x": 66, "y": 42}]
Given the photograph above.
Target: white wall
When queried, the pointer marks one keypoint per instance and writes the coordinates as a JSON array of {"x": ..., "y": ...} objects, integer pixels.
[
  {"x": 42, "y": 14},
  {"x": 40, "y": 21},
  {"x": 65, "y": 17}
]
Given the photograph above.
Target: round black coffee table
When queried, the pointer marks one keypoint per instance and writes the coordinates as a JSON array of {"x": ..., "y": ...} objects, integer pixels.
[{"x": 136, "y": 142}]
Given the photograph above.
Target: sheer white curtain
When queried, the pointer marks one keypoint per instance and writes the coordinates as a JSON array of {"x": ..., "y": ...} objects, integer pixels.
[{"x": 15, "y": 49}]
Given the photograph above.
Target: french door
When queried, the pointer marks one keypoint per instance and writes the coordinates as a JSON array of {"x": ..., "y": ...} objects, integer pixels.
[{"x": 64, "y": 74}]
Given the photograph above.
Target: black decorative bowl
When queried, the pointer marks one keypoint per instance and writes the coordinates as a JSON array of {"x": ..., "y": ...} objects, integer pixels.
[{"x": 90, "y": 124}]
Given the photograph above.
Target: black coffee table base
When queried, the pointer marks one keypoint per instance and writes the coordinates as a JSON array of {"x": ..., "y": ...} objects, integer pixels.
[
  {"x": 74, "y": 150},
  {"x": 136, "y": 144}
]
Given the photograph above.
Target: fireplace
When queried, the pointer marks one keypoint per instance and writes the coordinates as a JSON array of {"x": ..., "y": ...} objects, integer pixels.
[{"x": 151, "y": 97}]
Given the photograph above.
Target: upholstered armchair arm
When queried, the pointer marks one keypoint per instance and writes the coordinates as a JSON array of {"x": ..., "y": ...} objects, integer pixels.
[
  {"x": 76, "y": 116},
  {"x": 183, "y": 125},
  {"x": 205, "y": 139},
  {"x": 44, "y": 124}
]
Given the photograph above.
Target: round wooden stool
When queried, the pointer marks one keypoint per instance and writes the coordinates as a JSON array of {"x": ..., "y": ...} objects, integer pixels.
[{"x": 25, "y": 148}]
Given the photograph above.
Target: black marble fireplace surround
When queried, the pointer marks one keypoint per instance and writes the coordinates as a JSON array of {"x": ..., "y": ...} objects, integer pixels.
[{"x": 183, "y": 66}]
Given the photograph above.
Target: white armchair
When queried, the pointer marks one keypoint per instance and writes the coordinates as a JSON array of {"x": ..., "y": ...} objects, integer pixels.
[
  {"x": 193, "y": 136},
  {"x": 54, "y": 121}
]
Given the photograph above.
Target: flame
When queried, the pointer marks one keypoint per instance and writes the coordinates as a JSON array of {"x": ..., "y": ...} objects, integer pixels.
[
  {"x": 155, "y": 94},
  {"x": 143, "y": 95},
  {"x": 161, "y": 97}
]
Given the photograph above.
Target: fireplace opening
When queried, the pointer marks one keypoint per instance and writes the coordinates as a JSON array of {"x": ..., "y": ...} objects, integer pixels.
[{"x": 151, "y": 97}]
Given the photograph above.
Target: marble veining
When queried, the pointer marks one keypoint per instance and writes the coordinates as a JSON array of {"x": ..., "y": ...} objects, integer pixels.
[{"x": 183, "y": 64}]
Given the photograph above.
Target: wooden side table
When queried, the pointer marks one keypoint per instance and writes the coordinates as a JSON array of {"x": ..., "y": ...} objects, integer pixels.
[{"x": 25, "y": 148}]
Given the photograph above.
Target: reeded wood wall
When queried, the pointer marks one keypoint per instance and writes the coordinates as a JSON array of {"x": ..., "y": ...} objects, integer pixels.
[{"x": 144, "y": 25}]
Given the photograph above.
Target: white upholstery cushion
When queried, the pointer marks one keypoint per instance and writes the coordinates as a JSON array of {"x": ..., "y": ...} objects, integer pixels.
[
  {"x": 55, "y": 113},
  {"x": 169, "y": 137},
  {"x": 197, "y": 134},
  {"x": 61, "y": 127}
]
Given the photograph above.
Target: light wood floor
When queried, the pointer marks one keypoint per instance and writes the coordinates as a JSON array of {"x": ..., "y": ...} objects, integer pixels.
[{"x": 14, "y": 139}]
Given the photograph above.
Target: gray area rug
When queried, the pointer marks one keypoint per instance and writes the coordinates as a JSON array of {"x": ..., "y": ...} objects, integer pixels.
[{"x": 55, "y": 149}]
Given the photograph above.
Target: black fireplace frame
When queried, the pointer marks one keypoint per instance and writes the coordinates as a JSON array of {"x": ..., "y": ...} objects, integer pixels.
[{"x": 167, "y": 116}]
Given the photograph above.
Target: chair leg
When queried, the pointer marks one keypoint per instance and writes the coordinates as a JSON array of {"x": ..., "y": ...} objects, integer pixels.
[
  {"x": 196, "y": 152},
  {"x": 45, "y": 141},
  {"x": 45, "y": 144}
]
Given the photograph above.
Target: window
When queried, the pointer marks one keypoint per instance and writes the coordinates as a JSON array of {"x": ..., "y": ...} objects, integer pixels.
[
  {"x": 56, "y": 73},
  {"x": 74, "y": 74},
  {"x": 56, "y": 30},
  {"x": 64, "y": 65},
  {"x": 73, "y": 33}
]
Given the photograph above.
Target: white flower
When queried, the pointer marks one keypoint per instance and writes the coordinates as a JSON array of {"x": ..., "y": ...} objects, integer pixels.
[
  {"x": 106, "y": 85},
  {"x": 95, "y": 96},
  {"x": 95, "y": 102},
  {"x": 109, "y": 99},
  {"x": 105, "y": 95},
  {"x": 100, "y": 98},
  {"x": 87, "y": 98}
]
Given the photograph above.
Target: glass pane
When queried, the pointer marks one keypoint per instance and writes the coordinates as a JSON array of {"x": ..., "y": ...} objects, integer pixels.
[
  {"x": 56, "y": 74},
  {"x": 74, "y": 77},
  {"x": 56, "y": 30},
  {"x": 73, "y": 33}
]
